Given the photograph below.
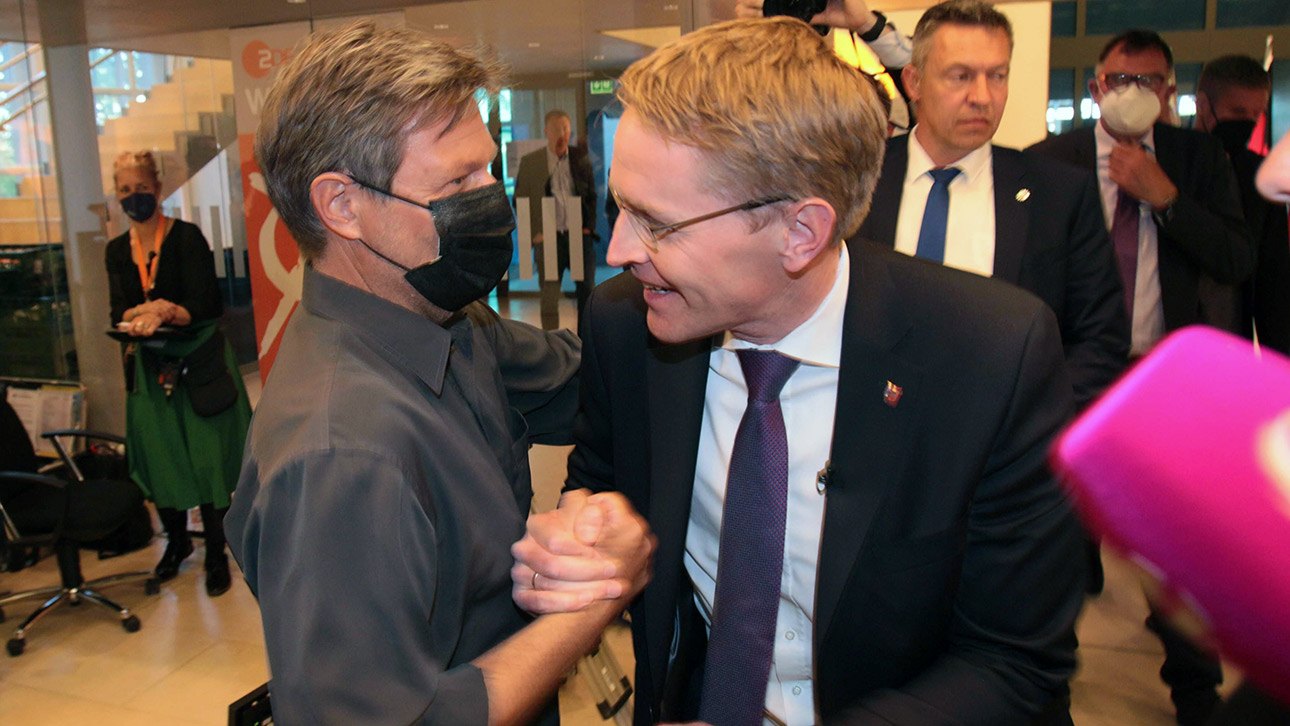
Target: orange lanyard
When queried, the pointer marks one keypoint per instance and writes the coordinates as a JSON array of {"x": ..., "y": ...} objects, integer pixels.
[{"x": 148, "y": 266}]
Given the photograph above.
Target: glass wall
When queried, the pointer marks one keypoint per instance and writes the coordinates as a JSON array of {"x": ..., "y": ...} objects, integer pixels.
[{"x": 36, "y": 335}]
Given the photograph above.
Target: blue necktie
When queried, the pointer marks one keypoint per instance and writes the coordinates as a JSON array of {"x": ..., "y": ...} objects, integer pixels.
[
  {"x": 750, "y": 565},
  {"x": 931, "y": 236}
]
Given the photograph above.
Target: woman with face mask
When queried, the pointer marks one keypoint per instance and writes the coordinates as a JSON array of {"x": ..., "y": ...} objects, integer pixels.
[{"x": 186, "y": 408}]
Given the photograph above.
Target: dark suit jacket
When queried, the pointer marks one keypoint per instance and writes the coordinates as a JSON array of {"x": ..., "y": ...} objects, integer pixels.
[
  {"x": 533, "y": 181},
  {"x": 1207, "y": 235},
  {"x": 1052, "y": 242},
  {"x": 1266, "y": 295},
  {"x": 947, "y": 587}
]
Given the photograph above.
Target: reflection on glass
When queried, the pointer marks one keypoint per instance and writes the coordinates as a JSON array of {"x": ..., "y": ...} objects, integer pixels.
[
  {"x": 35, "y": 313},
  {"x": 1112, "y": 16}
]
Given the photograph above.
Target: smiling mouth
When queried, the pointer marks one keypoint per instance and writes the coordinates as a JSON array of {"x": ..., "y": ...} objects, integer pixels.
[{"x": 655, "y": 289}]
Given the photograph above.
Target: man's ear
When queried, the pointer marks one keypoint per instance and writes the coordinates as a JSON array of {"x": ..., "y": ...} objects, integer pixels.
[
  {"x": 335, "y": 198},
  {"x": 912, "y": 79},
  {"x": 810, "y": 229}
]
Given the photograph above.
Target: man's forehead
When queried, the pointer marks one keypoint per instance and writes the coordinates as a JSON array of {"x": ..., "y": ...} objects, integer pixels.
[
  {"x": 1149, "y": 60},
  {"x": 1242, "y": 96},
  {"x": 973, "y": 45}
]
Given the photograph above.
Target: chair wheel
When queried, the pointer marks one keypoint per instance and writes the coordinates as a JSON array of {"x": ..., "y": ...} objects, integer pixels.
[
  {"x": 131, "y": 624},
  {"x": 15, "y": 646},
  {"x": 152, "y": 586}
]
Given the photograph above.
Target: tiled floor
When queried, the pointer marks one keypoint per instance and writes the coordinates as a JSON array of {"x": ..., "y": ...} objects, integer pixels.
[{"x": 195, "y": 655}]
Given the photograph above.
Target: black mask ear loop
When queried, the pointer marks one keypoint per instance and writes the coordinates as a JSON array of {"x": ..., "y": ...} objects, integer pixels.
[
  {"x": 373, "y": 191},
  {"x": 374, "y": 251}
]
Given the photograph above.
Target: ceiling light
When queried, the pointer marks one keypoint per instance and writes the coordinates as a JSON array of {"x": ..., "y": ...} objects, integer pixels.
[
  {"x": 598, "y": 57},
  {"x": 670, "y": 6},
  {"x": 535, "y": 45},
  {"x": 440, "y": 26},
  {"x": 296, "y": 2}
]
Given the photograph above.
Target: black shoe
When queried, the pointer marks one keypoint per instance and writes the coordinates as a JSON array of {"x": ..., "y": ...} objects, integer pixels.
[
  {"x": 217, "y": 577},
  {"x": 176, "y": 552},
  {"x": 1196, "y": 706}
]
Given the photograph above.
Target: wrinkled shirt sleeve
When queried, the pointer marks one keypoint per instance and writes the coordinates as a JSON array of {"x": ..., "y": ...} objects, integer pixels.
[{"x": 344, "y": 566}]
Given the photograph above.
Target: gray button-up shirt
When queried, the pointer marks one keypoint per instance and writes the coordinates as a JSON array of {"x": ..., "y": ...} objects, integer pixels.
[{"x": 386, "y": 476}]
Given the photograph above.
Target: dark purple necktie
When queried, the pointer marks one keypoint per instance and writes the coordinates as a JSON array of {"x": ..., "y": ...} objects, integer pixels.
[
  {"x": 751, "y": 560},
  {"x": 1124, "y": 233}
]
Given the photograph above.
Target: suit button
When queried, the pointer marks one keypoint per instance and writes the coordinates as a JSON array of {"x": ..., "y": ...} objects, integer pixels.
[
  {"x": 790, "y": 635},
  {"x": 797, "y": 690}
]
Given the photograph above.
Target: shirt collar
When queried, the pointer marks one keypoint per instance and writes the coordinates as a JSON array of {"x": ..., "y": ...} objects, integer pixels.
[
  {"x": 411, "y": 342},
  {"x": 972, "y": 166},
  {"x": 1106, "y": 142},
  {"x": 818, "y": 340}
]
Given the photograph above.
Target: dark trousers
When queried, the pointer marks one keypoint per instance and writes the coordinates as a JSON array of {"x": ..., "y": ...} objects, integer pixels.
[
  {"x": 175, "y": 522},
  {"x": 551, "y": 288},
  {"x": 1187, "y": 668}
]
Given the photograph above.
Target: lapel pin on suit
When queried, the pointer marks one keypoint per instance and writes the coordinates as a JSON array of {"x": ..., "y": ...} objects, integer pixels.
[
  {"x": 1023, "y": 194},
  {"x": 891, "y": 394}
]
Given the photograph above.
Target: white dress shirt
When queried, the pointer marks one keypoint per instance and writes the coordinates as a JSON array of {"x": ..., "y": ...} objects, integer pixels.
[
  {"x": 969, "y": 235},
  {"x": 808, "y": 401},
  {"x": 561, "y": 187},
  {"x": 1148, "y": 308}
]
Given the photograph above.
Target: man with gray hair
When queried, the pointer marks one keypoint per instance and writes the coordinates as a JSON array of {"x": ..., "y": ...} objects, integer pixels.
[
  {"x": 840, "y": 449},
  {"x": 386, "y": 470}
]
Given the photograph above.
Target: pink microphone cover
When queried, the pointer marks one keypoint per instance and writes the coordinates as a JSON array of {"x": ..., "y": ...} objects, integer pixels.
[{"x": 1184, "y": 466}]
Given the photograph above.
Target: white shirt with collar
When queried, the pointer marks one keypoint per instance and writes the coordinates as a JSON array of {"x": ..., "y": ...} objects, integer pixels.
[
  {"x": 1148, "y": 306},
  {"x": 808, "y": 401},
  {"x": 969, "y": 236},
  {"x": 561, "y": 186}
]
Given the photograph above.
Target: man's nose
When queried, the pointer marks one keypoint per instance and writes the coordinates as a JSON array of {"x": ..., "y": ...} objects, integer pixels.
[{"x": 625, "y": 245}]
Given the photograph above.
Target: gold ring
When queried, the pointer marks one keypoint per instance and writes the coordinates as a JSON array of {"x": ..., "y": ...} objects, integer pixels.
[{"x": 535, "y": 580}]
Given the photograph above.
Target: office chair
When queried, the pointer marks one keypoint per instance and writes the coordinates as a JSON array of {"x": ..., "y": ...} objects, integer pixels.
[{"x": 42, "y": 510}]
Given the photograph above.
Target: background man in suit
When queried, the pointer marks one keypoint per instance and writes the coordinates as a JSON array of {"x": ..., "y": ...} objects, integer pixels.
[
  {"x": 1188, "y": 213},
  {"x": 753, "y": 367},
  {"x": 1017, "y": 217},
  {"x": 1231, "y": 94},
  {"x": 1176, "y": 224},
  {"x": 560, "y": 171}
]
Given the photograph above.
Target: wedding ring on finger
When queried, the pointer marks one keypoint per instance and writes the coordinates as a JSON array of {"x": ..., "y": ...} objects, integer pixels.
[{"x": 535, "y": 576}]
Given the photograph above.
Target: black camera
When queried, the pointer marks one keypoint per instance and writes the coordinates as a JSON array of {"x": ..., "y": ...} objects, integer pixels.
[{"x": 801, "y": 9}]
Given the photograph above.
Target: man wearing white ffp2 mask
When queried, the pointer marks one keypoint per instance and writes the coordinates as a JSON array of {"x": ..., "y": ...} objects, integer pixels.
[{"x": 1176, "y": 222}]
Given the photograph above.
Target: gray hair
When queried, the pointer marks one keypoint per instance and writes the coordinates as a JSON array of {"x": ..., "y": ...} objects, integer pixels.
[
  {"x": 346, "y": 101},
  {"x": 972, "y": 13}
]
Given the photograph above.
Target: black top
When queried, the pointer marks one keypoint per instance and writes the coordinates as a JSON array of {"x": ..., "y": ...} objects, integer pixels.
[{"x": 185, "y": 274}]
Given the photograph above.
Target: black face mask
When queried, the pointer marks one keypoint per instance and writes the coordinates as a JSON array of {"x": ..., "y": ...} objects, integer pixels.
[
  {"x": 474, "y": 246},
  {"x": 140, "y": 206},
  {"x": 1234, "y": 135}
]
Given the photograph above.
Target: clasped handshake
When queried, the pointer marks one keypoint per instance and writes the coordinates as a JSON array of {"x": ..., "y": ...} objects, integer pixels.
[{"x": 592, "y": 547}]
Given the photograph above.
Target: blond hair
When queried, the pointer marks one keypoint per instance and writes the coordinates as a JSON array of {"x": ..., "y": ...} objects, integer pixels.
[
  {"x": 347, "y": 101},
  {"x": 136, "y": 160},
  {"x": 773, "y": 111}
]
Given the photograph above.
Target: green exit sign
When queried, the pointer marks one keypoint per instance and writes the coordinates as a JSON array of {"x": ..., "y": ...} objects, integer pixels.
[{"x": 600, "y": 88}]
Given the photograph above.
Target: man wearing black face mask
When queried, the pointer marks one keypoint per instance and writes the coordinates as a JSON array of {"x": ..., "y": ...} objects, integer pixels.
[
  {"x": 1232, "y": 93},
  {"x": 386, "y": 472}
]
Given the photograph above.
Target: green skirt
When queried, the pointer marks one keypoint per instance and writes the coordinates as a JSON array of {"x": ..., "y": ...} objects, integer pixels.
[{"x": 179, "y": 459}]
